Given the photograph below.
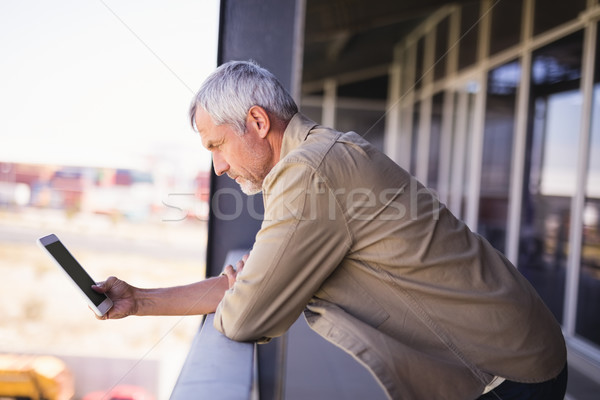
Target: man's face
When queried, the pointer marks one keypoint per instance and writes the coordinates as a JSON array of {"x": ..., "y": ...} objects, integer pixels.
[{"x": 245, "y": 159}]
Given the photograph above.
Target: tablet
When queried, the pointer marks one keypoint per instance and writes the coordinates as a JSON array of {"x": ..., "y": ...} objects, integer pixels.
[{"x": 98, "y": 302}]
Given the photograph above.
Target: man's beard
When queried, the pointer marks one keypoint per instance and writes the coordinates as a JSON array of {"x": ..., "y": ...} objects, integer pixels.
[
  {"x": 249, "y": 187},
  {"x": 257, "y": 169}
]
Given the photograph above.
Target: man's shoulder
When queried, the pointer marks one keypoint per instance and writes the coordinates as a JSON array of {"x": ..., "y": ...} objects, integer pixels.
[
  {"x": 314, "y": 148},
  {"x": 342, "y": 158},
  {"x": 322, "y": 142}
]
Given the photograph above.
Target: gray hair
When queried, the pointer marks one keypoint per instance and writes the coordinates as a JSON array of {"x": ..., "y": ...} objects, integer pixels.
[{"x": 236, "y": 86}]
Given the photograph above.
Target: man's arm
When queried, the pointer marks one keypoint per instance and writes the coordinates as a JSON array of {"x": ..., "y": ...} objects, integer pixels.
[
  {"x": 193, "y": 299},
  {"x": 302, "y": 240}
]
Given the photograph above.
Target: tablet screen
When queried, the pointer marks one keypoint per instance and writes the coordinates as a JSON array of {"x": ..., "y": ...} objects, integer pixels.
[{"x": 75, "y": 271}]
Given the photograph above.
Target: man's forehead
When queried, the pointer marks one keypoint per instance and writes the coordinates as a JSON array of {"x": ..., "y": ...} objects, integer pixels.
[{"x": 206, "y": 128}]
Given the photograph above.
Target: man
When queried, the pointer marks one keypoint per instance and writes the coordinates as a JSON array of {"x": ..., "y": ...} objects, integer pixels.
[{"x": 376, "y": 264}]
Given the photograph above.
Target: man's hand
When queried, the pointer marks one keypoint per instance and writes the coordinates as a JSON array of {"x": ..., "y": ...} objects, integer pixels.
[
  {"x": 232, "y": 273},
  {"x": 122, "y": 295}
]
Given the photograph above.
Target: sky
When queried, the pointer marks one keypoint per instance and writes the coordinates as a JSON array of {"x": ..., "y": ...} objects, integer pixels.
[{"x": 103, "y": 82}]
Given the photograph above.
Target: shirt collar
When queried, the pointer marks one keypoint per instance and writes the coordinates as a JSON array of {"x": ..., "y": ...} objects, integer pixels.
[{"x": 295, "y": 133}]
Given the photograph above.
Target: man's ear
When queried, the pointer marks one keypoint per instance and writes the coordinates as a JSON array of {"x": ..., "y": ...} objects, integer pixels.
[{"x": 259, "y": 120}]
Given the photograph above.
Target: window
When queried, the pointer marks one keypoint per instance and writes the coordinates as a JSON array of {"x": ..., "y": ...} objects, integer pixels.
[
  {"x": 414, "y": 138},
  {"x": 506, "y": 25},
  {"x": 468, "y": 154},
  {"x": 497, "y": 152},
  {"x": 441, "y": 48},
  {"x": 313, "y": 112},
  {"x": 469, "y": 28},
  {"x": 437, "y": 107},
  {"x": 419, "y": 70},
  {"x": 409, "y": 56},
  {"x": 550, "y": 167},
  {"x": 551, "y": 13},
  {"x": 588, "y": 302},
  {"x": 360, "y": 107},
  {"x": 462, "y": 135},
  {"x": 367, "y": 123}
]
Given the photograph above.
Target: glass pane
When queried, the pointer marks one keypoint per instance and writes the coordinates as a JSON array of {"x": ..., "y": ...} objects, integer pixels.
[
  {"x": 437, "y": 106},
  {"x": 374, "y": 88},
  {"x": 551, "y": 13},
  {"x": 461, "y": 143},
  {"x": 441, "y": 48},
  {"x": 472, "y": 90},
  {"x": 454, "y": 98},
  {"x": 550, "y": 167},
  {"x": 419, "y": 66},
  {"x": 588, "y": 304},
  {"x": 414, "y": 138},
  {"x": 469, "y": 29},
  {"x": 367, "y": 123},
  {"x": 497, "y": 152},
  {"x": 313, "y": 112},
  {"x": 506, "y": 25},
  {"x": 408, "y": 79}
]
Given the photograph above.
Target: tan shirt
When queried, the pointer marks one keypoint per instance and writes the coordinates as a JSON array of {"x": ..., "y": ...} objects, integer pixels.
[{"x": 384, "y": 271}]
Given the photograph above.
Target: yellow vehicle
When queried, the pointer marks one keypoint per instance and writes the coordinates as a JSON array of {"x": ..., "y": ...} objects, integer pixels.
[{"x": 30, "y": 377}]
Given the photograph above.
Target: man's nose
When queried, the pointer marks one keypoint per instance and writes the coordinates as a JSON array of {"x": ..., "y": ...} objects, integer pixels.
[{"x": 219, "y": 164}]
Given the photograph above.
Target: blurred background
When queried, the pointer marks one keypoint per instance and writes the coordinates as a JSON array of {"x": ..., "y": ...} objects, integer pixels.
[{"x": 95, "y": 146}]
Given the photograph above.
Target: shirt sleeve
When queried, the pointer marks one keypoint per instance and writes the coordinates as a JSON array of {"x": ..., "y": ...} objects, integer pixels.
[{"x": 303, "y": 238}]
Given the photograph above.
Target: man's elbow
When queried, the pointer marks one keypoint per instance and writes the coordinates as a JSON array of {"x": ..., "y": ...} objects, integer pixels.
[
  {"x": 239, "y": 333},
  {"x": 246, "y": 336},
  {"x": 246, "y": 332}
]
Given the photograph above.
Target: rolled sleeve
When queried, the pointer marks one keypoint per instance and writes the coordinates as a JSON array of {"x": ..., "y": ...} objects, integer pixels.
[{"x": 303, "y": 238}]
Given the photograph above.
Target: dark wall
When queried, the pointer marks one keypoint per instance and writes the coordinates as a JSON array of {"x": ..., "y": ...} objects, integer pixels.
[{"x": 261, "y": 30}]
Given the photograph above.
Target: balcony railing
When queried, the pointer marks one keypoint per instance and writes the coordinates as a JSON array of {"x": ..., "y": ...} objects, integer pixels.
[{"x": 216, "y": 367}]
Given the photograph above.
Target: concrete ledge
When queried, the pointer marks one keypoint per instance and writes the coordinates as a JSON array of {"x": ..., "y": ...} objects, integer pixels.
[{"x": 216, "y": 367}]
